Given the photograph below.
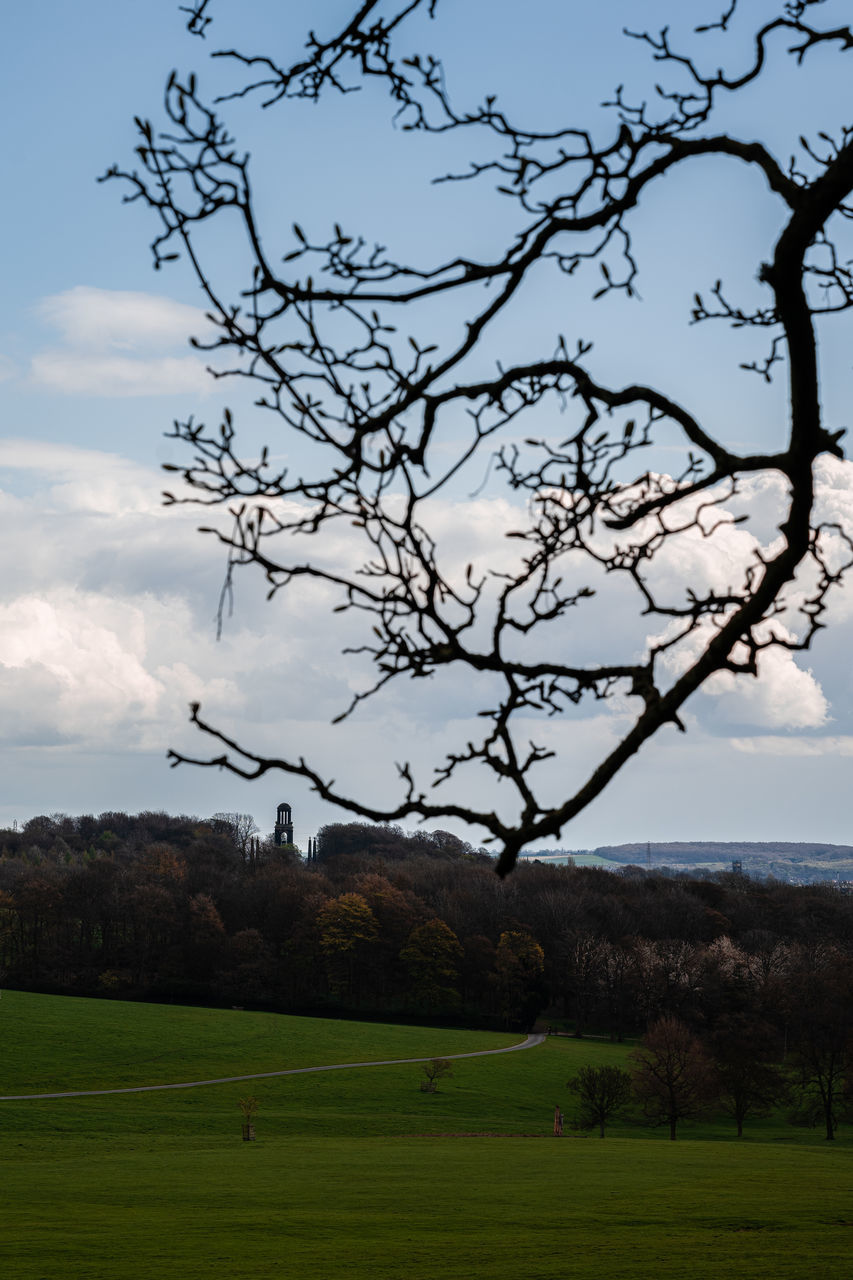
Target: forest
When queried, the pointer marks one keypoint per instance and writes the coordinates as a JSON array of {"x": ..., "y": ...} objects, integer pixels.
[
  {"x": 383, "y": 921},
  {"x": 726, "y": 970}
]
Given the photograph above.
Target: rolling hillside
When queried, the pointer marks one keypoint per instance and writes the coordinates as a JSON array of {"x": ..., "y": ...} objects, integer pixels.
[{"x": 800, "y": 863}]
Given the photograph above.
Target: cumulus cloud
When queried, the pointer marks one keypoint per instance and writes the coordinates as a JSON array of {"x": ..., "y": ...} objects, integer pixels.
[
  {"x": 107, "y": 615},
  {"x": 107, "y": 632},
  {"x": 782, "y": 695},
  {"x": 118, "y": 343},
  {"x": 788, "y": 693},
  {"x": 87, "y": 661}
]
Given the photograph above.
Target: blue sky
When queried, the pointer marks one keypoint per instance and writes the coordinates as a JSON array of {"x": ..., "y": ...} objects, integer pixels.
[{"x": 107, "y": 600}]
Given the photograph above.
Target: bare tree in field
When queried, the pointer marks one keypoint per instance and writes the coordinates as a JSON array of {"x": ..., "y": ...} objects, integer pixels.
[
  {"x": 673, "y": 1076},
  {"x": 338, "y": 337},
  {"x": 750, "y": 1079},
  {"x": 434, "y": 1070},
  {"x": 819, "y": 997}
]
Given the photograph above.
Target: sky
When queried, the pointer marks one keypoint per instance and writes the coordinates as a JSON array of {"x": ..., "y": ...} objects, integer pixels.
[{"x": 108, "y": 599}]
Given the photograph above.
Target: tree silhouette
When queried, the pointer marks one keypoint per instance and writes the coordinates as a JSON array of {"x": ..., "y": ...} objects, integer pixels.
[
  {"x": 341, "y": 344},
  {"x": 673, "y": 1075},
  {"x": 601, "y": 1092},
  {"x": 434, "y": 1070},
  {"x": 820, "y": 999}
]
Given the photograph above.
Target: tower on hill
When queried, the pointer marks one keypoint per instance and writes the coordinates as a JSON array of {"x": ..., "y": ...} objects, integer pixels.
[{"x": 283, "y": 832}]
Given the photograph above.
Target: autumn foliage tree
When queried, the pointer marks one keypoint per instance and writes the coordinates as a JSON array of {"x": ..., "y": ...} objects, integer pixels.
[
  {"x": 432, "y": 957},
  {"x": 347, "y": 929},
  {"x": 519, "y": 965}
]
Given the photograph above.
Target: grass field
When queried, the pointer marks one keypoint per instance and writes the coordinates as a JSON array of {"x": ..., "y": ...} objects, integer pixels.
[{"x": 357, "y": 1173}]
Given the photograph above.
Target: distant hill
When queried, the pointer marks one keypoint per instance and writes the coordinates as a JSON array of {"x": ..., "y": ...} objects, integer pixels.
[
  {"x": 800, "y": 862},
  {"x": 690, "y": 852}
]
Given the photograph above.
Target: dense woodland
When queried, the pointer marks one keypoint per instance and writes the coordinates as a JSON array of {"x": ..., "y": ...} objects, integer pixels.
[{"x": 419, "y": 925}]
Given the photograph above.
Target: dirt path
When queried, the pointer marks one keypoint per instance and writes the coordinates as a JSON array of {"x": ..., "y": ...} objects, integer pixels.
[{"x": 529, "y": 1043}]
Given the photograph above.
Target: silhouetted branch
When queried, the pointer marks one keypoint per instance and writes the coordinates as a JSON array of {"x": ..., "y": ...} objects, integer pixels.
[{"x": 398, "y": 418}]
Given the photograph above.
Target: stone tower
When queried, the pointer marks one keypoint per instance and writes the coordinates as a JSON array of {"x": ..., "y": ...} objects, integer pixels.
[{"x": 283, "y": 833}]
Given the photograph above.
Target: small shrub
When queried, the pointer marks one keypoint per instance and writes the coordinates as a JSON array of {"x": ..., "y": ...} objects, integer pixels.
[{"x": 434, "y": 1070}]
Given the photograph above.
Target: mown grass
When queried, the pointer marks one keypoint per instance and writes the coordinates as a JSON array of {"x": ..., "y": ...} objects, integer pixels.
[
  {"x": 404, "y": 1207},
  {"x": 57, "y": 1042},
  {"x": 344, "y": 1181}
]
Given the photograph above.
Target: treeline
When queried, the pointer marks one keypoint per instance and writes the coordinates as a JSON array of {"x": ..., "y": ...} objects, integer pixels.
[{"x": 159, "y": 907}]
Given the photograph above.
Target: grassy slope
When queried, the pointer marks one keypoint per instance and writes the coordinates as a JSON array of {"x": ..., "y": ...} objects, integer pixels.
[
  {"x": 54, "y": 1042},
  {"x": 342, "y": 1180}
]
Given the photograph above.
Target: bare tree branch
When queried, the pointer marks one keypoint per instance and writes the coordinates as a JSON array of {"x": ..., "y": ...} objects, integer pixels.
[{"x": 318, "y": 336}]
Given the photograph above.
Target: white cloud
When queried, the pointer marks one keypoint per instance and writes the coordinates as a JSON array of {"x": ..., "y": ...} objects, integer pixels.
[
  {"x": 86, "y": 482},
  {"x": 86, "y": 669},
  {"x": 106, "y": 319},
  {"x": 118, "y": 343},
  {"x": 109, "y": 375},
  {"x": 107, "y": 615},
  {"x": 782, "y": 695},
  {"x": 774, "y": 745},
  {"x": 51, "y": 459},
  {"x": 91, "y": 663},
  {"x": 107, "y": 605},
  {"x": 787, "y": 693}
]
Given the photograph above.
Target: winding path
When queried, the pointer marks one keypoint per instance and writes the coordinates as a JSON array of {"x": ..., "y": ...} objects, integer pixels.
[{"x": 529, "y": 1043}]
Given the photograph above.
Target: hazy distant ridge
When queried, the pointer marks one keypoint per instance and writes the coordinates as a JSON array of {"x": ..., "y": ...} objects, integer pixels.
[{"x": 689, "y": 851}]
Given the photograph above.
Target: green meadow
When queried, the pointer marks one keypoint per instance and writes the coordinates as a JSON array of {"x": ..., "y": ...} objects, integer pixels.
[{"x": 357, "y": 1173}]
